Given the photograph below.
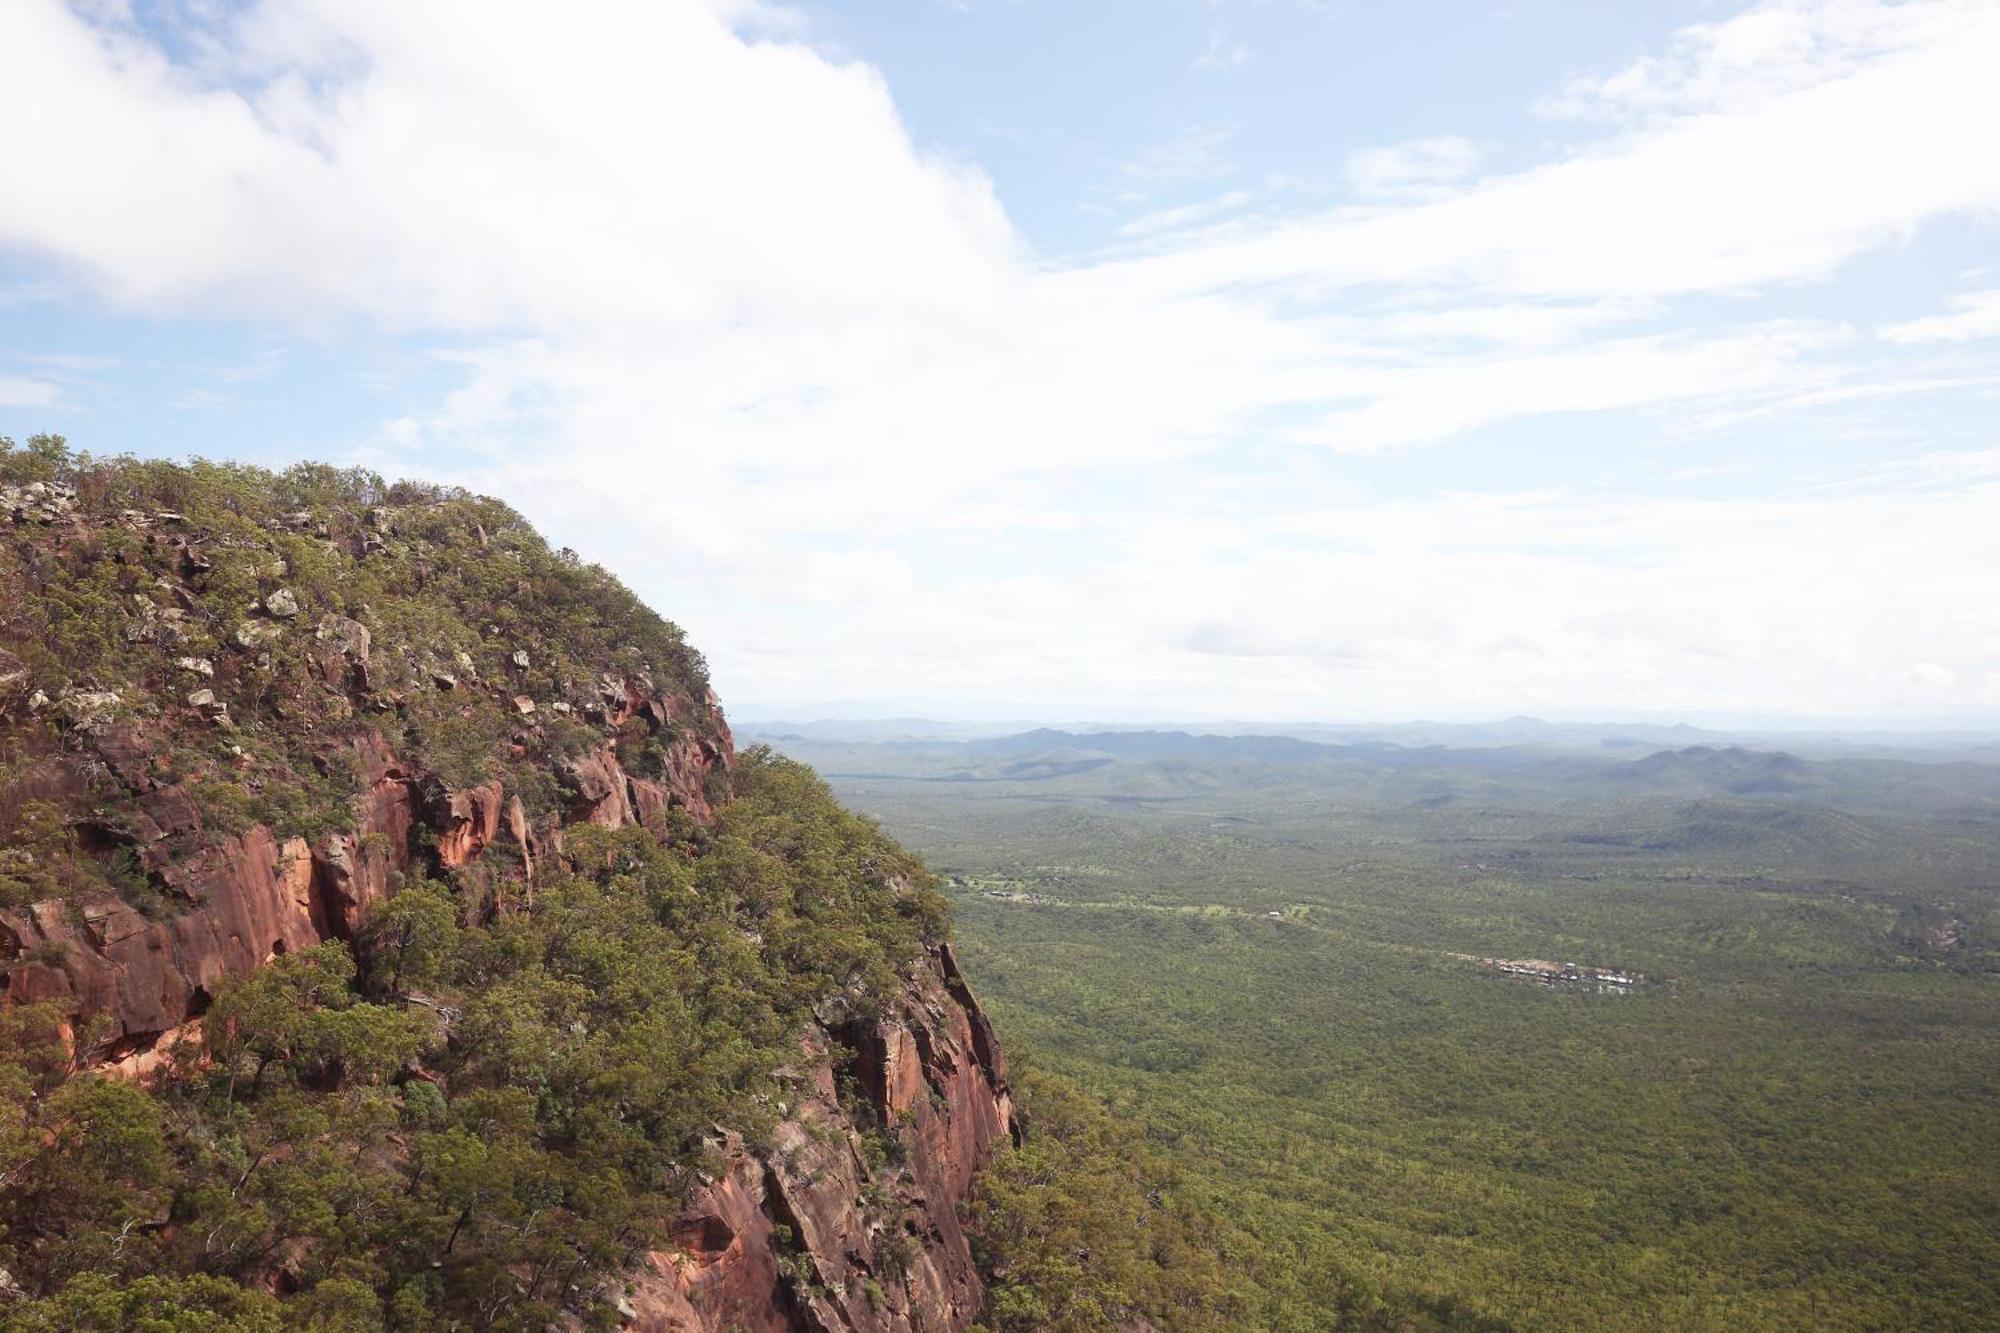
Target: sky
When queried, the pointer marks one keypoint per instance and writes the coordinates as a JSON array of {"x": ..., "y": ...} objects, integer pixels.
[{"x": 1112, "y": 359}]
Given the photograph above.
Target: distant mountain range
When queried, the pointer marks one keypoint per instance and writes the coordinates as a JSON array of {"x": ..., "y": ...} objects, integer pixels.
[
  {"x": 1624, "y": 738},
  {"x": 1176, "y": 764}
]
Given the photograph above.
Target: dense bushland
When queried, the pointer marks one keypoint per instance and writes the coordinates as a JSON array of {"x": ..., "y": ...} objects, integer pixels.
[{"x": 1261, "y": 970}]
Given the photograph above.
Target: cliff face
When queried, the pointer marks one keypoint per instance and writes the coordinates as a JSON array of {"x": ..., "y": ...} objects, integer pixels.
[
  {"x": 811, "y": 1233},
  {"x": 807, "y": 1233},
  {"x": 135, "y": 981},
  {"x": 162, "y": 760}
]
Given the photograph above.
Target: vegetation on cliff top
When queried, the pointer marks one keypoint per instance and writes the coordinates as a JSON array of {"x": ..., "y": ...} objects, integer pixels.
[{"x": 241, "y": 619}]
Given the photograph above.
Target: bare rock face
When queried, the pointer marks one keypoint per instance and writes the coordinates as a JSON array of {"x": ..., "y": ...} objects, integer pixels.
[
  {"x": 353, "y": 871},
  {"x": 466, "y": 822},
  {"x": 231, "y": 906},
  {"x": 147, "y": 977},
  {"x": 846, "y": 1220},
  {"x": 818, "y": 1233},
  {"x": 518, "y": 829},
  {"x": 603, "y": 792}
]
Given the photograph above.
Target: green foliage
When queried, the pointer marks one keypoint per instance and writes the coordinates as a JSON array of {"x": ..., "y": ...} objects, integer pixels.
[
  {"x": 82, "y": 1161},
  {"x": 43, "y": 458},
  {"x": 32, "y": 827},
  {"x": 483, "y": 1115},
  {"x": 300, "y": 1012},
  {"x": 834, "y": 900},
  {"x": 410, "y": 939},
  {"x": 1260, "y": 971},
  {"x": 98, "y": 1303},
  {"x": 1075, "y": 1226},
  {"x": 1087, "y": 1226}
]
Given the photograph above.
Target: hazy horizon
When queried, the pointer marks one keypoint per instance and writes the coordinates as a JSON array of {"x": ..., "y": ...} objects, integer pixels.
[{"x": 1001, "y": 722}]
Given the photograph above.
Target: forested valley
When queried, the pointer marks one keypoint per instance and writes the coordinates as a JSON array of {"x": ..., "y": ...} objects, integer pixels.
[{"x": 1278, "y": 960}]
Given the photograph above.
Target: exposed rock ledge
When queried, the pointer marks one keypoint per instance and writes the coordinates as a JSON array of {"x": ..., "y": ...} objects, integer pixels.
[
  {"x": 803, "y": 1234},
  {"x": 785, "y": 1238},
  {"x": 241, "y": 901}
]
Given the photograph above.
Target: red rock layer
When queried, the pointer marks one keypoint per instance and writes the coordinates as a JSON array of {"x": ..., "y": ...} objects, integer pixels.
[
  {"x": 132, "y": 981},
  {"x": 808, "y": 1234},
  {"x": 105, "y": 960}
]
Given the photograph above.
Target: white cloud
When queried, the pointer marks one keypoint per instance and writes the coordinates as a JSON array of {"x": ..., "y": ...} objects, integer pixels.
[
  {"x": 1417, "y": 168},
  {"x": 1465, "y": 604},
  {"x": 1973, "y": 315},
  {"x": 1410, "y": 405},
  {"x": 1185, "y": 216},
  {"x": 16, "y": 391},
  {"x": 1768, "y": 51},
  {"x": 1195, "y": 154},
  {"x": 716, "y": 317},
  {"x": 74, "y": 362},
  {"x": 475, "y": 166},
  {"x": 1222, "y": 53},
  {"x": 1778, "y": 188}
]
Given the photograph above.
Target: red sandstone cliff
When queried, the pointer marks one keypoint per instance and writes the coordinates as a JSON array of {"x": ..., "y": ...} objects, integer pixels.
[
  {"x": 843, "y": 1218},
  {"x": 847, "y": 1220},
  {"x": 135, "y": 980},
  {"x": 812, "y": 1233}
]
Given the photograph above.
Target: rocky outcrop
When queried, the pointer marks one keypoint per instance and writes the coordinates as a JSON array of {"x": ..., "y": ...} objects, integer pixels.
[
  {"x": 141, "y": 979},
  {"x": 844, "y": 1218},
  {"x": 357, "y": 869},
  {"x": 134, "y": 979},
  {"x": 848, "y": 1220},
  {"x": 603, "y": 793},
  {"x": 465, "y": 822},
  {"x": 37, "y": 502}
]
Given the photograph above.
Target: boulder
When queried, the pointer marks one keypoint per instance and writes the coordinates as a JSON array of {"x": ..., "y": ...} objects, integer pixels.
[
  {"x": 13, "y": 675},
  {"x": 88, "y": 710},
  {"x": 255, "y": 634},
  {"x": 37, "y": 502},
  {"x": 343, "y": 652}
]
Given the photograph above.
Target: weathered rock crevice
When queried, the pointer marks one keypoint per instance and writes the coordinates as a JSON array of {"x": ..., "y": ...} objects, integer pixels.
[{"x": 875, "y": 1241}]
